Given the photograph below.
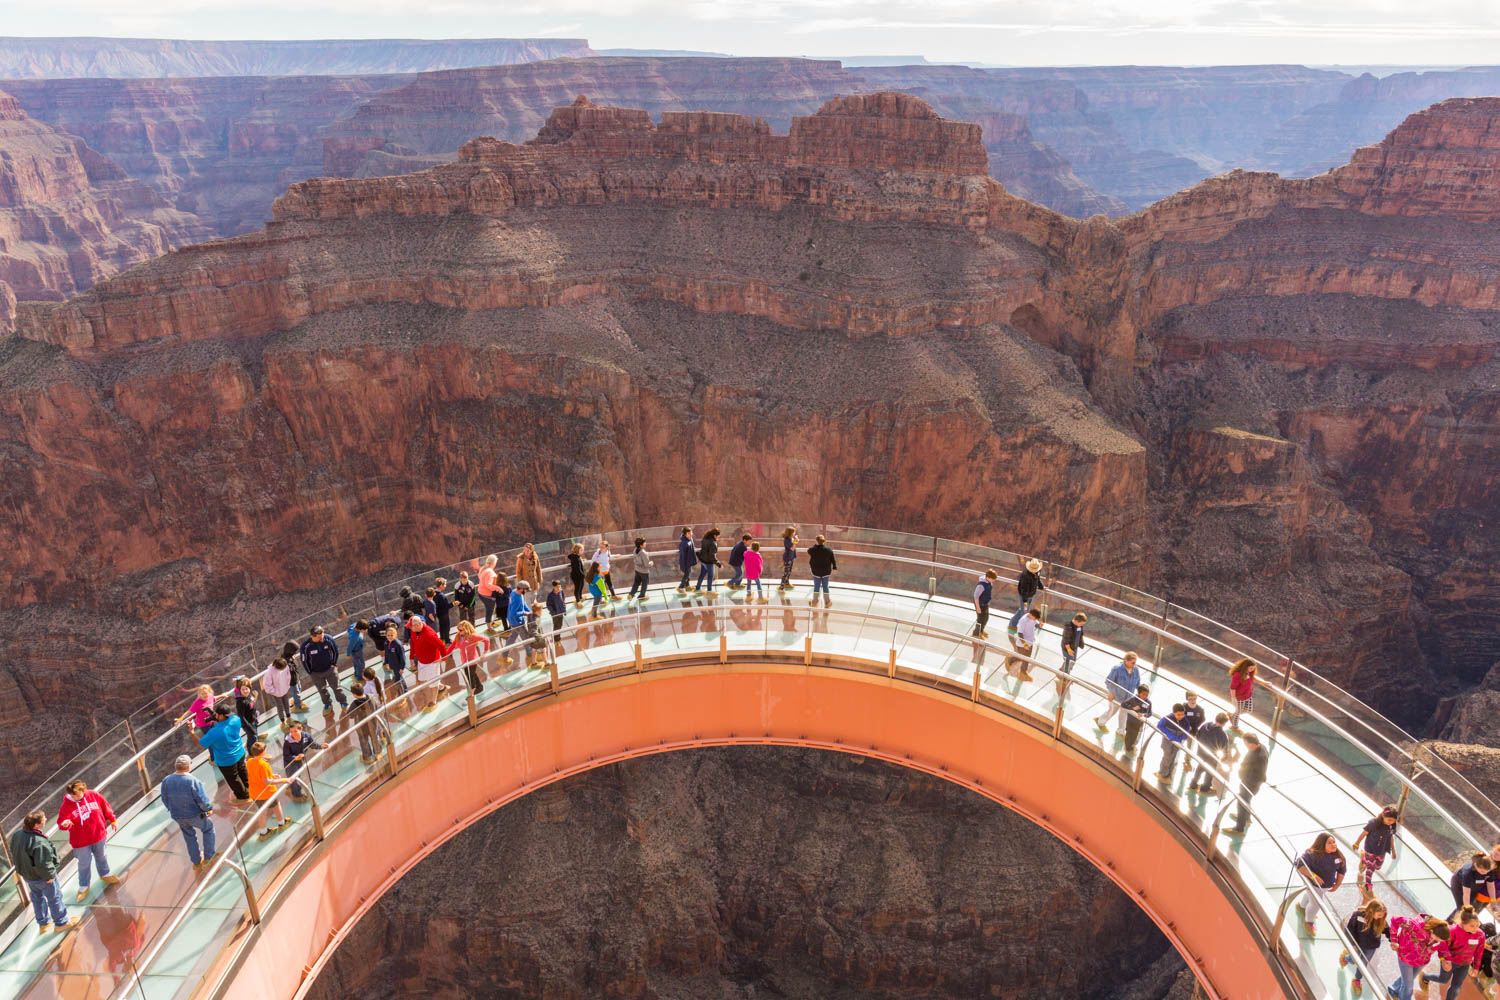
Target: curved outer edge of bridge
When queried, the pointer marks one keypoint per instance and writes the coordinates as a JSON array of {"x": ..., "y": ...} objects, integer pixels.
[{"x": 457, "y": 781}]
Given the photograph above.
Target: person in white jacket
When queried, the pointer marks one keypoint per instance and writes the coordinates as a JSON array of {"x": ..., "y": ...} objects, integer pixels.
[{"x": 601, "y": 556}]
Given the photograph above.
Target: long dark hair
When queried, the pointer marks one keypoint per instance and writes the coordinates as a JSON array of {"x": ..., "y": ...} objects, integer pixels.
[{"x": 1320, "y": 844}]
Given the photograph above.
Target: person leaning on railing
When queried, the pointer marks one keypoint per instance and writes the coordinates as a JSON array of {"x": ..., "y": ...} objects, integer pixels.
[{"x": 37, "y": 864}]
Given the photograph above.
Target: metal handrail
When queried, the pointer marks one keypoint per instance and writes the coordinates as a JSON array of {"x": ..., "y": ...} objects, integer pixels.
[{"x": 548, "y": 685}]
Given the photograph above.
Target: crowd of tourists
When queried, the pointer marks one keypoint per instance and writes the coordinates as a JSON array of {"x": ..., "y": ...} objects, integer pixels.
[{"x": 501, "y": 613}]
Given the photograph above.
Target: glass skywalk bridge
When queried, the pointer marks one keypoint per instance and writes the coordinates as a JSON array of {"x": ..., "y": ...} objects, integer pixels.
[{"x": 900, "y": 611}]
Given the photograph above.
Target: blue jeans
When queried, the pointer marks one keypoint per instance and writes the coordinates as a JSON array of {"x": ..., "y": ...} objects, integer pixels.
[
  {"x": 1015, "y": 621},
  {"x": 756, "y": 584},
  {"x": 92, "y": 853},
  {"x": 47, "y": 901},
  {"x": 1404, "y": 988},
  {"x": 820, "y": 583},
  {"x": 1454, "y": 978},
  {"x": 1369, "y": 954},
  {"x": 739, "y": 574},
  {"x": 705, "y": 573},
  {"x": 191, "y": 828},
  {"x": 1068, "y": 661}
]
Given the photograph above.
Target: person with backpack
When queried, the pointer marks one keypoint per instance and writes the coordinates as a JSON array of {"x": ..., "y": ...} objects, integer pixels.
[
  {"x": 320, "y": 657},
  {"x": 1213, "y": 746},
  {"x": 1460, "y": 955},
  {"x": 687, "y": 558},
  {"x": 754, "y": 566},
  {"x": 464, "y": 596},
  {"x": 788, "y": 556},
  {"x": 708, "y": 559},
  {"x": 737, "y": 562},
  {"x": 1174, "y": 734},
  {"x": 442, "y": 606},
  {"x": 1366, "y": 926},
  {"x": 85, "y": 814},
  {"x": 1415, "y": 940},
  {"x": 640, "y": 564},
  {"x": 1379, "y": 840},
  {"x": 187, "y": 802},
  {"x": 227, "y": 749},
  {"x": 1252, "y": 776},
  {"x": 821, "y": 564},
  {"x": 36, "y": 862},
  {"x": 984, "y": 592},
  {"x": 1323, "y": 865}
]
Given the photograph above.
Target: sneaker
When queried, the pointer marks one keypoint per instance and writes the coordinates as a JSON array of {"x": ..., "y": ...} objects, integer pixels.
[
  {"x": 827, "y": 601},
  {"x": 366, "y": 760},
  {"x": 763, "y": 600},
  {"x": 69, "y": 924},
  {"x": 790, "y": 586},
  {"x": 268, "y": 832},
  {"x": 1357, "y": 988},
  {"x": 211, "y": 859},
  {"x": 1343, "y": 958},
  {"x": 44, "y": 928},
  {"x": 682, "y": 590},
  {"x": 1310, "y": 927},
  {"x": 1100, "y": 724},
  {"x": 110, "y": 879},
  {"x": 197, "y": 867},
  {"x": 1234, "y": 831},
  {"x": 82, "y": 895}
]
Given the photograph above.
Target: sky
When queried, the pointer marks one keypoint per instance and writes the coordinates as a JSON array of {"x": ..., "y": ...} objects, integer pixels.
[{"x": 1008, "y": 32}]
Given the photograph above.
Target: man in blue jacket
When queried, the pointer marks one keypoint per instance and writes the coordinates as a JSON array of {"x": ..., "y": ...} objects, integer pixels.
[
  {"x": 1120, "y": 685},
  {"x": 320, "y": 658},
  {"x": 223, "y": 742},
  {"x": 1174, "y": 734},
  {"x": 737, "y": 561},
  {"x": 687, "y": 558},
  {"x": 187, "y": 802}
]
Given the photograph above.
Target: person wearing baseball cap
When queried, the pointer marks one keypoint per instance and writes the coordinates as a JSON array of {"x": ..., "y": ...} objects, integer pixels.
[
  {"x": 320, "y": 659},
  {"x": 187, "y": 802}
]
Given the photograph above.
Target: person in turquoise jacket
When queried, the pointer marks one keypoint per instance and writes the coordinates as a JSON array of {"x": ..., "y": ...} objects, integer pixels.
[{"x": 223, "y": 741}]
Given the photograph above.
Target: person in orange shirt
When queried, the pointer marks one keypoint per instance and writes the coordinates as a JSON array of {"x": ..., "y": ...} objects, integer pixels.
[{"x": 263, "y": 784}]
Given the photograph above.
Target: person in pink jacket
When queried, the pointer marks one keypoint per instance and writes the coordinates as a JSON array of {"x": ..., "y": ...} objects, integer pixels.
[
  {"x": 755, "y": 564},
  {"x": 1414, "y": 940},
  {"x": 84, "y": 815}
]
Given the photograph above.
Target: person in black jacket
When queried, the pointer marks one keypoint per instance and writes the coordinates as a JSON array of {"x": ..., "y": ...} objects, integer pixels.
[
  {"x": 294, "y": 750},
  {"x": 290, "y": 652},
  {"x": 464, "y": 595},
  {"x": 1072, "y": 645},
  {"x": 1213, "y": 742},
  {"x": 708, "y": 558},
  {"x": 1252, "y": 776},
  {"x": 320, "y": 657},
  {"x": 686, "y": 558},
  {"x": 737, "y": 562},
  {"x": 577, "y": 574},
  {"x": 821, "y": 563},
  {"x": 411, "y": 602},
  {"x": 1029, "y": 583},
  {"x": 444, "y": 607}
]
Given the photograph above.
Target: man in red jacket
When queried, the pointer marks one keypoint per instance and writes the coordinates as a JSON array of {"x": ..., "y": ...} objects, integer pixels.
[{"x": 428, "y": 649}]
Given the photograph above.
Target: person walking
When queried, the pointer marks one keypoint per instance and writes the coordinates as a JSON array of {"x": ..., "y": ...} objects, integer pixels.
[
  {"x": 85, "y": 814},
  {"x": 687, "y": 558},
  {"x": 503, "y": 590},
  {"x": 578, "y": 574},
  {"x": 529, "y": 567},
  {"x": 395, "y": 658},
  {"x": 224, "y": 745},
  {"x": 358, "y": 713},
  {"x": 486, "y": 588},
  {"x": 187, "y": 802},
  {"x": 821, "y": 564},
  {"x": 1174, "y": 733},
  {"x": 1415, "y": 940},
  {"x": 1213, "y": 746},
  {"x": 1252, "y": 776},
  {"x": 1135, "y": 710},
  {"x": 428, "y": 650},
  {"x": 1119, "y": 684},
  {"x": 737, "y": 562},
  {"x": 557, "y": 605},
  {"x": 442, "y": 604},
  {"x": 1474, "y": 884},
  {"x": 320, "y": 657},
  {"x": 1323, "y": 865},
  {"x": 519, "y": 616},
  {"x": 1242, "y": 690},
  {"x": 754, "y": 566},
  {"x": 354, "y": 644},
  {"x": 640, "y": 564},
  {"x": 36, "y": 862},
  {"x": 246, "y": 707},
  {"x": 1073, "y": 641},
  {"x": 1029, "y": 583},
  {"x": 1193, "y": 714},
  {"x": 465, "y": 596},
  {"x": 984, "y": 592},
  {"x": 1379, "y": 840},
  {"x": 428, "y": 610},
  {"x": 1025, "y": 644},
  {"x": 596, "y": 588},
  {"x": 290, "y": 652},
  {"x": 294, "y": 752},
  {"x": 788, "y": 556},
  {"x": 708, "y": 559},
  {"x": 1460, "y": 954},
  {"x": 1366, "y": 926},
  {"x": 601, "y": 556},
  {"x": 470, "y": 647},
  {"x": 263, "y": 782}
]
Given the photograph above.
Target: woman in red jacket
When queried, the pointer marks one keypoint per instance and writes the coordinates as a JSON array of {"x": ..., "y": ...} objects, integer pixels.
[{"x": 84, "y": 815}]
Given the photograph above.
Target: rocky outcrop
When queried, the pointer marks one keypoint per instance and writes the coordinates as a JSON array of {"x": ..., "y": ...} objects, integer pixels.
[
  {"x": 753, "y": 872},
  {"x": 131, "y": 58},
  {"x": 68, "y": 216}
]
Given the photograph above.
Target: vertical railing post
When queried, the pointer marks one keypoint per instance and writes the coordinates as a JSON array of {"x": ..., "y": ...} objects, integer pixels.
[
  {"x": 390, "y": 751},
  {"x": 640, "y": 658},
  {"x": 552, "y": 673},
  {"x": 723, "y": 647},
  {"x": 891, "y": 667},
  {"x": 975, "y": 692},
  {"x": 140, "y": 762},
  {"x": 807, "y": 648},
  {"x": 11, "y": 863},
  {"x": 932, "y": 570},
  {"x": 1161, "y": 626},
  {"x": 1401, "y": 802},
  {"x": 1276, "y": 713},
  {"x": 1047, "y": 578},
  {"x": 1057, "y": 718}
]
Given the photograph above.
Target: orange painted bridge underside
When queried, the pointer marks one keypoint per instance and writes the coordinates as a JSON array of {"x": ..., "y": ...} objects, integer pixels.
[{"x": 461, "y": 780}]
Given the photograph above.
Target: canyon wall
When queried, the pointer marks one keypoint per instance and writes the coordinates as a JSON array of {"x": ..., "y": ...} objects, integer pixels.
[
  {"x": 126, "y": 58},
  {"x": 1271, "y": 400},
  {"x": 753, "y": 872}
]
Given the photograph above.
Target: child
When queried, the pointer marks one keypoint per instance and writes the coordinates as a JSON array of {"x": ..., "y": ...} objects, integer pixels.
[
  {"x": 596, "y": 588},
  {"x": 1378, "y": 838},
  {"x": 1323, "y": 865},
  {"x": 687, "y": 558},
  {"x": 1461, "y": 953},
  {"x": 395, "y": 659},
  {"x": 1242, "y": 688},
  {"x": 557, "y": 605},
  {"x": 373, "y": 691},
  {"x": 1213, "y": 745},
  {"x": 737, "y": 562},
  {"x": 201, "y": 711},
  {"x": 1366, "y": 926},
  {"x": 263, "y": 784},
  {"x": 358, "y": 714},
  {"x": 276, "y": 682},
  {"x": 640, "y": 561},
  {"x": 754, "y": 565},
  {"x": 788, "y": 556},
  {"x": 1136, "y": 709},
  {"x": 246, "y": 708},
  {"x": 1415, "y": 939},
  {"x": 471, "y": 647},
  {"x": 294, "y": 750},
  {"x": 984, "y": 592},
  {"x": 464, "y": 596},
  {"x": 1173, "y": 729}
]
